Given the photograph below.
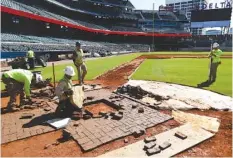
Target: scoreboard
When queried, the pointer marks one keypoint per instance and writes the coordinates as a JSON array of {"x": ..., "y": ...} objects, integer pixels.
[{"x": 211, "y": 15}]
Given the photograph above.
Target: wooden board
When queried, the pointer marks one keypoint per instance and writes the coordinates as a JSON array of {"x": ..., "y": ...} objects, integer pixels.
[
  {"x": 195, "y": 135},
  {"x": 78, "y": 96}
]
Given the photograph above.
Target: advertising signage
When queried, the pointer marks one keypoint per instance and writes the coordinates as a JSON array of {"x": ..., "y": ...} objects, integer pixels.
[{"x": 219, "y": 5}]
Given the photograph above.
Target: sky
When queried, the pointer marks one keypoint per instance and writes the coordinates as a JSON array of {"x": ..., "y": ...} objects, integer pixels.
[{"x": 147, "y": 4}]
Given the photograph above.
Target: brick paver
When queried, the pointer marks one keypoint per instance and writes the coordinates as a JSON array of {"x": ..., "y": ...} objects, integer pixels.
[
  {"x": 90, "y": 133},
  {"x": 13, "y": 128},
  {"x": 96, "y": 132}
]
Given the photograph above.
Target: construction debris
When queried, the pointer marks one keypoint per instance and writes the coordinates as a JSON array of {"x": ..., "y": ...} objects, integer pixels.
[
  {"x": 152, "y": 151},
  {"x": 47, "y": 146},
  {"x": 76, "y": 124},
  {"x": 149, "y": 139},
  {"x": 180, "y": 135},
  {"x": 134, "y": 106},
  {"x": 86, "y": 117},
  {"x": 126, "y": 140},
  {"x": 138, "y": 132},
  {"x": 27, "y": 115},
  {"x": 164, "y": 145},
  {"x": 149, "y": 145},
  {"x": 140, "y": 110},
  {"x": 117, "y": 116}
]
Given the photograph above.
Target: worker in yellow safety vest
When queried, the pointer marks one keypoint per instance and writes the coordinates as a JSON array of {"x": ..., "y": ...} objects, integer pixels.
[
  {"x": 18, "y": 81},
  {"x": 64, "y": 92},
  {"x": 31, "y": 58},
  {"x": 78, "y": 59},
  {"x": 215, "y": 62}
]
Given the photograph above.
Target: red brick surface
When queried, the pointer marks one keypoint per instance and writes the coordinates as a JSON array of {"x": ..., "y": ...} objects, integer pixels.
[{"x": 99, "y": 131}]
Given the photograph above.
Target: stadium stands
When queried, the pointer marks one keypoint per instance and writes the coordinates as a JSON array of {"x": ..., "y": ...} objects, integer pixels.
[
  {"x": 21, "y": 43},
  {"x": 104, "y": 15}
]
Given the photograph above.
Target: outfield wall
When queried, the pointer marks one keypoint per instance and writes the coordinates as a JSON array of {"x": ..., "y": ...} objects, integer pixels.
[{"x": 227, "y": 49}]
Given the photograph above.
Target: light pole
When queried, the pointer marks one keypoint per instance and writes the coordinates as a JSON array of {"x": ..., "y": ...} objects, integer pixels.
[{"x": 153, "y": 38}]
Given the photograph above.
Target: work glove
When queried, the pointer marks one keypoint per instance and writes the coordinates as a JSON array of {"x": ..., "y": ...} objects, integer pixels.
[{"x": 69, "y": 92}]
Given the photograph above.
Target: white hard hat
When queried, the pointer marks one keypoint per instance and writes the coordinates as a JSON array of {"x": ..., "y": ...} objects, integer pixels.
[
  {"x": 69, "y": 70},
  {"x": 215, "y": 45},
  {"x": 39, "y": 78}
]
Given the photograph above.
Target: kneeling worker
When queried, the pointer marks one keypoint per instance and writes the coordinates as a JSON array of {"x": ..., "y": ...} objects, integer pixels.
[
  {"x": 64, "y": 92},
  {"x": 18, "y": 81}
]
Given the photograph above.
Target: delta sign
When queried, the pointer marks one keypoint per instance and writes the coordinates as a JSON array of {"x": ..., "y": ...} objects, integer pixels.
[{"x": 219, "y": 5}]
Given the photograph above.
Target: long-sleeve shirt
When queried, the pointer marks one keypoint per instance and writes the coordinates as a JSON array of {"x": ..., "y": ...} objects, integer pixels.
[
  {"x": 22, "y": 76},
  {"x": 63, "y": 85}
]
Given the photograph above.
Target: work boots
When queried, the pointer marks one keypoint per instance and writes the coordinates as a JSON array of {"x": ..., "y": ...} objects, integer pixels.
[{"x": 11, "y": 107}]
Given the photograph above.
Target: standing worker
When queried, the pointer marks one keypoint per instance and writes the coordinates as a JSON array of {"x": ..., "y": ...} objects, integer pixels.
[
  {"x": 31, "y": 58},
  {"x": 79, "y": 63},
  {"x": 18, "y": 81},
  {"x": 215, "y": 62},
  {"x": 64, "y": 92}
]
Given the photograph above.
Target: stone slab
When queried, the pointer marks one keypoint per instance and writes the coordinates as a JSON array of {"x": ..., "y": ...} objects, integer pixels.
[
  {"x": 208, "y": 123},
  {"x": 195, "y": 135}
]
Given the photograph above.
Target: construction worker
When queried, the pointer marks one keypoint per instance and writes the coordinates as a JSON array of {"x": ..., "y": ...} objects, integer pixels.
[
  {"x": 215, "y": 62},
  {"x": 64, "y": 92},
  {"x": 18, "y": 81},
  {"x": 79, "y": 63},
  {"x": 31, "y": 58}
]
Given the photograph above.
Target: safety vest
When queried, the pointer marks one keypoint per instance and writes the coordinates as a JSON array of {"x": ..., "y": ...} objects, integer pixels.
[
  {"x": 215, "y": 55},
  {"x": 63, "y": 85},
  {"x": 22, "y": 76},
  {"x": 30, "y": 54},
  {"x": 79, "y": 57}
]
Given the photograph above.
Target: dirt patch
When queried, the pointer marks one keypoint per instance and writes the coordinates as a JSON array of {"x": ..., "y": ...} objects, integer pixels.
[
  {"x": 118, "y": 76},
  {"x": 99, "y": 107}
]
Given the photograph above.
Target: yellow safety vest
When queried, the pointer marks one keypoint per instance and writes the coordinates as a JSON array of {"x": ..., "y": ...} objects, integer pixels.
[
  {"x": 215, "y": 55},
  {"x": 79, "y": 57},
  {"x": 30, "y": 54}
]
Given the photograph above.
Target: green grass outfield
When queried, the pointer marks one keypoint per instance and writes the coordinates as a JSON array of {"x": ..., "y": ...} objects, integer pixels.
[
  {"x": 99, "y": 66},
  {"x": 186, "y": 71},
  {"x": 95, "y": 67}
]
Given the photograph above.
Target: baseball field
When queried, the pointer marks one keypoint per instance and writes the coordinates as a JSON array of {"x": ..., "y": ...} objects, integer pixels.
[
  {"x": 182, "y": 68},
  {"x": 186, "y": 71}
]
